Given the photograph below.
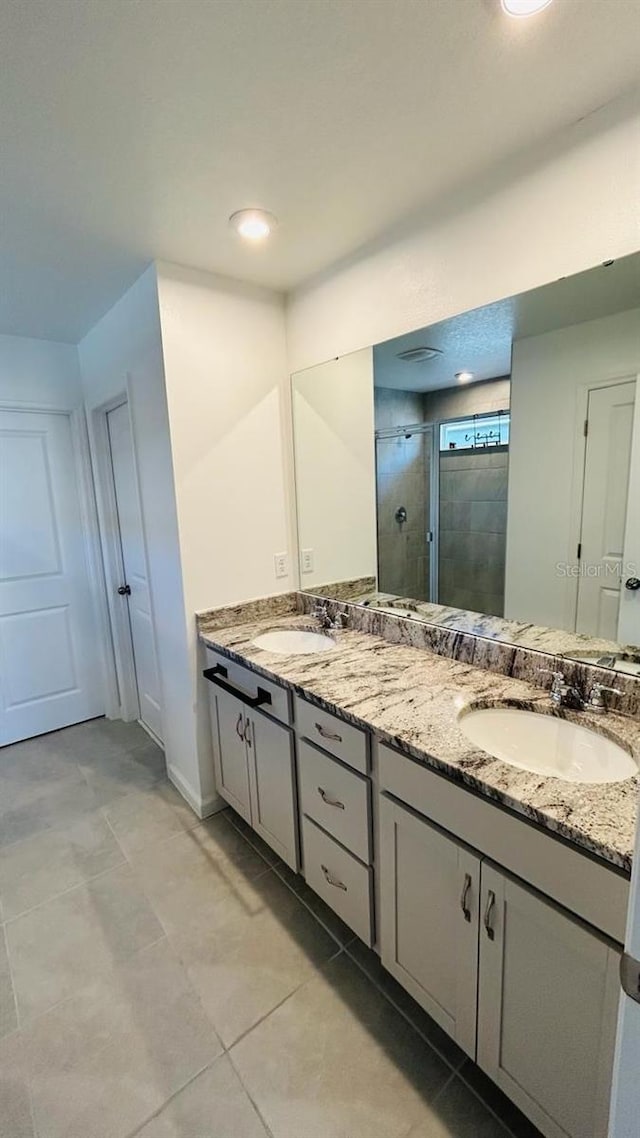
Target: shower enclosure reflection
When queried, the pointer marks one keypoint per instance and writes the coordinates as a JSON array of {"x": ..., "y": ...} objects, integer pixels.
[{"x": 441, "y": 492}]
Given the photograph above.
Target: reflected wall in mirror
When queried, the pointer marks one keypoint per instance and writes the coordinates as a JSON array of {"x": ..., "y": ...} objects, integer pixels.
[{"x": 503, "y": 452}]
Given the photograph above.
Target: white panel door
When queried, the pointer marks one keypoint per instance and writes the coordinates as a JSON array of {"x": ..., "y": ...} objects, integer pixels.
[
  {"x": 547, "y": 1009},
  {"x": 50, "y": 674},
  {"x": 429, "y": 905},
  {"x": 135, "y": 567},
  {"x": 604, "y": 508},
  {"x": 629, "y": 618}
]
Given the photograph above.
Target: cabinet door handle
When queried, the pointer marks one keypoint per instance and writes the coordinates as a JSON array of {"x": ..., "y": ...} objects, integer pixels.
[
  {"x": 328, "y": 734},
  {"x": 247, "y": 732},
  {"x": 330, "y": 801},
  {"x": 465, "y": 894},
  {"x": 217, "y": 676},
  {"x": 239, "y": 731},
  {"x": 491, "y": 900},
  {"x": 332, "y": 880}
]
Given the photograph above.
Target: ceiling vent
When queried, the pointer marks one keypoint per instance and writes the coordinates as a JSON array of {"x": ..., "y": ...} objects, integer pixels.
[{"x": 419, "y": 355}]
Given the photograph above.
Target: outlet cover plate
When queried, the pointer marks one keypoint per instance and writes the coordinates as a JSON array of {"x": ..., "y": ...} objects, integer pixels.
[{"x": 281, "y": 564}]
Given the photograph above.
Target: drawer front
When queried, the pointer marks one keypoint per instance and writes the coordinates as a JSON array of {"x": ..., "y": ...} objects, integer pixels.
[
  {"x": 336, "y": 798},
  {"x": 247, "y": 683},
  {"x": 339, "y": 878},
  {"x": 341, "y": 739}
]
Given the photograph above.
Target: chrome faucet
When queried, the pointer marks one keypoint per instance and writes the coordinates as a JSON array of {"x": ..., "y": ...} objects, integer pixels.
[
  {"x": 561, "y": 693},
  {"x": 322, "y": 615},
  {"x": 596, "y": 701}
]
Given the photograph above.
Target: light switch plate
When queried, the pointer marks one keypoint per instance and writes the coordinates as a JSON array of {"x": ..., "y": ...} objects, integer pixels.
[
  {"x": 281, "y": 564},
  {"x": 306, "y": 560}
]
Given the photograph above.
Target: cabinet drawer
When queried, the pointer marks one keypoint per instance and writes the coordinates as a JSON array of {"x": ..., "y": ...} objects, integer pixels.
[
  {"x": 247, "y": 683},
  {"x": 341, "y": 739},
  {"x": 336, "y": 798},
  {"x": 339, "y": 878}
]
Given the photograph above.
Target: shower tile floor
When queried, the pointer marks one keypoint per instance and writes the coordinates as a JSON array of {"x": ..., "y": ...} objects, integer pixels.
[{"x": 170, "y": 978}]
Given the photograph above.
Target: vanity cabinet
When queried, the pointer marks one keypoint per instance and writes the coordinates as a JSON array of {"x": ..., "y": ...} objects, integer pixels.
[
  {"x": 254, "y": 763},
  {"x": 526, "y": 989},
  {"x": 548, "y": 1000},
  {"x": 429, "y": 918}
]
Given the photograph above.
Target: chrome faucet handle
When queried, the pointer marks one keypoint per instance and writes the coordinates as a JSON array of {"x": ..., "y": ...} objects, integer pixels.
[
  {"x": 596, "y": 701},
  {"x": 561, "y": 693},
  {"x": 559, "y": 686},
  {"x": 340, "y": 621}
]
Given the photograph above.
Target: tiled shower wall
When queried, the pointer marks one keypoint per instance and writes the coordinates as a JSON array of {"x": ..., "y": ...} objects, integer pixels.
[
  {"x": 473, "y": 529},
  {"x": 402, "y": 477},
  {"x": 473, "y": 502}
]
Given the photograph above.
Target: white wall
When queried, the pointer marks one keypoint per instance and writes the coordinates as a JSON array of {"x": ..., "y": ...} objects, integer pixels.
[
  {"x": 335, "y": 468},
  {"x": 550, "y": 376},
  {"x": 124, "y": 352},
  {"x": 562, "y": 209},
  {"x": 227, "y": 390},
  {"x": 40, "y": 372}
]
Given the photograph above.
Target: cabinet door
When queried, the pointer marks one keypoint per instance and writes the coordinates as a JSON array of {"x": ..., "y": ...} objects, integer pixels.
[
  {"x": 230, "y": 752},
  {"x": 429, "y": 905},
  {"x": 547, "y": 1009},
  {"x": 274, "y": 813}
]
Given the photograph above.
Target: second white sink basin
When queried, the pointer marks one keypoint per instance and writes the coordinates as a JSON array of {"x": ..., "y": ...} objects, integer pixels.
[
  {"x": 547, "y": 745},
  {"x": 294, "y": 642}
]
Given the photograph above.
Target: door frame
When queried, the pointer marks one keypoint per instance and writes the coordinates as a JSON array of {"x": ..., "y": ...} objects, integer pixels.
[
  {"x": 583, "y": 391},
  {"x": 90, "y": 534},
  {"x": 113, "y": 569},
  {"x": 124, "y": 664}
]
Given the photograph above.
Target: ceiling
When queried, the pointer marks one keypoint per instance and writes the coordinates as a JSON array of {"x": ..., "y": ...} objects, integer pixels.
[
  {"x": 130, "y": 131},
  {"x": 480, "y": 341}
]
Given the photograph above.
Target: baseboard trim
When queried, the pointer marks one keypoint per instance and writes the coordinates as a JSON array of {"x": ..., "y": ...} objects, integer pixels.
[{"x": 203, "y": 807}]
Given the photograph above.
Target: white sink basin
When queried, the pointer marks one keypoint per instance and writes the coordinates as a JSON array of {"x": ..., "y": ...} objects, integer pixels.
[
  {"x": 294, "y": 642},
  {"x": 546, "y": 745}
]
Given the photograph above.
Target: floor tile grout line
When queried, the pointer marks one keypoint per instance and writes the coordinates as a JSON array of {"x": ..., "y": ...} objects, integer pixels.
[
  {"x": 64, "y": 892},
  {"x": 454, "y": 1069},
  {"x": 283, "y": 879},
  {"x": 98, "y": 976},
  {"x": 154, "y": 1114},
  {"x": 252, "y": 1100},
  {"x": 508, "y": 1131},
  {"x": 307, "y": 980},
  {"x": 11, "y": 980}
]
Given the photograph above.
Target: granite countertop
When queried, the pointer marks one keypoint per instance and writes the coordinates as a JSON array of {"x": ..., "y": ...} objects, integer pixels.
[{"x": 411, "y": 698}]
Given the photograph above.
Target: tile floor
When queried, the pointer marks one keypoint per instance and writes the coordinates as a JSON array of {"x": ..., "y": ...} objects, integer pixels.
[{"x": 169, "y": 978}]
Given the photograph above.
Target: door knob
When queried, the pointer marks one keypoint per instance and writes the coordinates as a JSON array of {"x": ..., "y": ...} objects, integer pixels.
[
  {"x": 124, "y": 590},
  {"x": 632, "y": 583}
]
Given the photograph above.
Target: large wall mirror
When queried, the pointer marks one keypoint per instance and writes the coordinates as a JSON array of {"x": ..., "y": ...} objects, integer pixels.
[{"x": 484, "y": 472}]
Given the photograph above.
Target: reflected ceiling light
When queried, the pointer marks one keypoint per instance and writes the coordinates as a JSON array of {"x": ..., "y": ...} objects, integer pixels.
[
  {"x": 524, "y": 7},
  {"x": 464, "y": 376},
  {"x": 253, "y": 224}
]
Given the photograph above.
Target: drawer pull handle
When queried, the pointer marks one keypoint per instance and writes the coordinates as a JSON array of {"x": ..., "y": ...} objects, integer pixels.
[
  {"x": 328, "y": 734},
  {"x": 330, "y": 801},
  {"x": 491, "y": 900},
  {"x": 465, "y": 894},
  {"x": 332, "y": 880}
]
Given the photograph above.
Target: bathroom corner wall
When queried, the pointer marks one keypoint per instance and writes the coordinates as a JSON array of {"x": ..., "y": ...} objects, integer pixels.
[{"x": 227, "y": 391}]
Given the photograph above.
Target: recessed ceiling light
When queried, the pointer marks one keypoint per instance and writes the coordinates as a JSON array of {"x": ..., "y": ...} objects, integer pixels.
[
  {"x": 524, "y": 7},
  {"x": 253, "y": 224},
  {"x": 464, "y": 376}
]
